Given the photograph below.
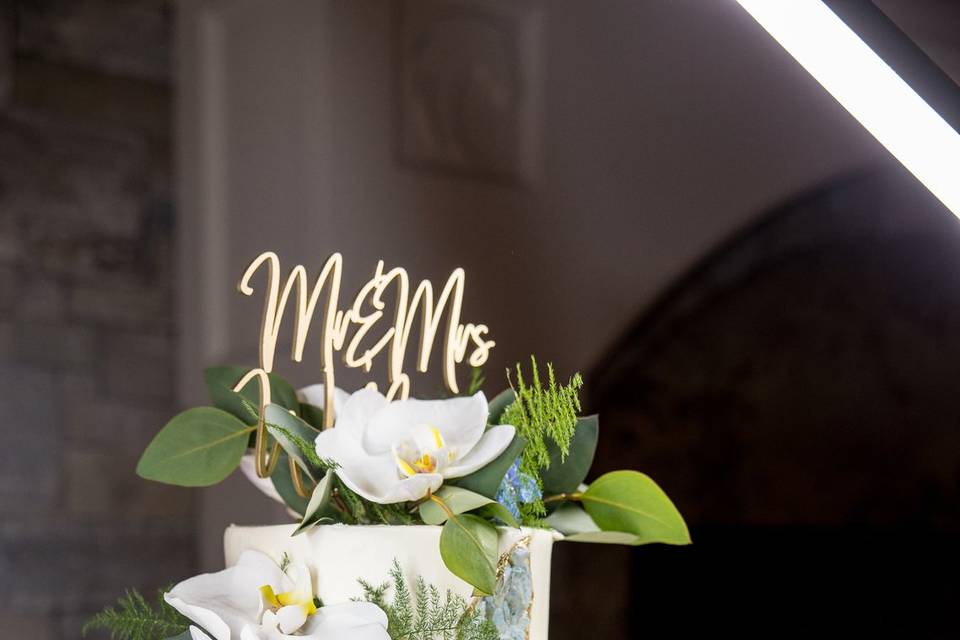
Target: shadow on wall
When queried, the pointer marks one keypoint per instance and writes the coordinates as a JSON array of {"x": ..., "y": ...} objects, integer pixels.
[{"x": 796, "y": 395}]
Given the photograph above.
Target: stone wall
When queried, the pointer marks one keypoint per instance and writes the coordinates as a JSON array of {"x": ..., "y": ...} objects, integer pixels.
[{"x": 87, "y": 335}]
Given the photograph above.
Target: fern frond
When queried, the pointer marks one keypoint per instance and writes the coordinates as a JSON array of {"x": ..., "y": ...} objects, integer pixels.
[
  {"x": 540, "y": 413},
  {"x": 306, "y": 448},
  {"x": 425, "y": 614},
  {"x": 134, "y": 618}
]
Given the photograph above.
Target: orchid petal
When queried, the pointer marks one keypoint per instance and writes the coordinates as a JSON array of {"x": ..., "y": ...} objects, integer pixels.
[
  {"x": 299, "y": 574},
  {"x": 493, "y": 442},
  {"x": 353, "y": 620},
  {"x": 412, "y": 488},
  {"x": 369, "y": 476},
  {"x": 251, "y": 632},
  {"x": 291, "y": 618},
  {"x": 357, "y": 412},
  {"x": 460, "y": 421},
  {"x": 315, "y": 394},
  {"x": 197, "y": 634},
  {"x": 225, "y": 602}
]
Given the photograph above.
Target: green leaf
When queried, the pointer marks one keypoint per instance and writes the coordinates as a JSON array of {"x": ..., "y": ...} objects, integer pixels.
[
  {"x": 198, "y": 448},
  {"x": 499, "y": 404},
  {"x": 486, "y": 480},
  {"x": 630, "y": 502},
  {"x": 280, "y": 390},
  {"x": 604, "y": 537},
  {"x": 283, "y": 483},
  {"x": 318, "y": 508},
  {"x": 576, "y": 525},
  {"x": 183, "y": 636},
  {"x": 565, "y": 476},
  {"x": 225, "y": 398},
  {"x": 570, "y": 519},
  {"x": 496, "y": 510},
  {"x": 290, "y": 425},
  {"x": 456, "y": 499},
  {"x": 468, "y": 546},
  {"x": 312, "y": 415}
]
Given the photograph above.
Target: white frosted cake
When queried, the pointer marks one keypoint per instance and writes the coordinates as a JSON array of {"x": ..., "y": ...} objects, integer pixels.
[{"x": 340, "y": 555}]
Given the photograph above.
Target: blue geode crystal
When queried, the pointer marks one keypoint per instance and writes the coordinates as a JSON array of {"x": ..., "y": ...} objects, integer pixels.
[
  {"x": 509, "y": 606},
  {"x": 517, "y": 488}
]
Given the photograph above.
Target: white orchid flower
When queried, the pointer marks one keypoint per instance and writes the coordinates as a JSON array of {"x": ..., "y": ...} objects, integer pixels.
[
  {"x": 313, "y": 394},
  {"x": 256, "y": 600},
  {"x": 400, "y": 451}
]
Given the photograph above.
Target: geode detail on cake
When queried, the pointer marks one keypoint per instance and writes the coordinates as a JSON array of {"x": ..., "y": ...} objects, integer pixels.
[
  {"x": 459, "y": 497},
  {"x": 509, "y": 608}
]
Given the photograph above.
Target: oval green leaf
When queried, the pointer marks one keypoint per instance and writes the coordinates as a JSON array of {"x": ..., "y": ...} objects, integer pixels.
[
  {"x": 198, "y": 448},
  {"x": 317, "y": 509},
  {"x": 312, "y": 415},
  {"x": 630, "y": 502},
  {"x": 283, "y": 483},
  {"x": 456, "y": 499},
  {"x": 565, "y": 475},
  {"x": 576, "y": 525},
  {"x": 293, "y": 434},
  {"x": 496, "y": 510},
  {"x": 571, "y": 519},
  {"x": 468, "y": 546},
  {"x": 499, "y": 404},
  {"x": 281, "y": 392}
]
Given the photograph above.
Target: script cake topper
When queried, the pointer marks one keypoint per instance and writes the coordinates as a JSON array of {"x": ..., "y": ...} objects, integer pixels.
[{"x": 361, "y": 346}]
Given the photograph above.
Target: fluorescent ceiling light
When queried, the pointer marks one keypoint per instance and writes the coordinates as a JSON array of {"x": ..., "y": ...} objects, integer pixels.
[{"x": 869, "y": 89}]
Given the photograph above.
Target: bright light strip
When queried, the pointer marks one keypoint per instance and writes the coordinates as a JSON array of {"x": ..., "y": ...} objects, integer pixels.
[{"x": 869, "y": 89}]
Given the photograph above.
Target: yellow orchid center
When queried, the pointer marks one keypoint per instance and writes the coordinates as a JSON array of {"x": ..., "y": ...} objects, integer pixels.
[
  {"x": 288, "y": 598},
  {"x": 426, "y": 464},
  {"x": 423, "y": 453}
]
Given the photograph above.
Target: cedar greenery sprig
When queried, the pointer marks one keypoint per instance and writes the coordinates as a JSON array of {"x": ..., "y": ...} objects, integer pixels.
[
  {"x": 308, "y": 452},
  {"x": 356, "y": 510},
  {"x": 134, "y": 618},
  {"x": 425, "y": 614},
  {"x": 540, "y": 413}
]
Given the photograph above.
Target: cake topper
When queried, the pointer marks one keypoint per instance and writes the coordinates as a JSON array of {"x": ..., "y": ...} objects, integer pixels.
[{"x": 361, "y": 348}]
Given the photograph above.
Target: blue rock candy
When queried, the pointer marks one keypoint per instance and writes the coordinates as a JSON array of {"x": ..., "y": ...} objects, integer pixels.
[
  {"x": 509, "y": 607},
  {"x": 517, "y": 488}
]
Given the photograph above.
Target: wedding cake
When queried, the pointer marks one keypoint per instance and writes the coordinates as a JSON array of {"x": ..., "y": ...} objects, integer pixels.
[{"x": 412, "y": 518}]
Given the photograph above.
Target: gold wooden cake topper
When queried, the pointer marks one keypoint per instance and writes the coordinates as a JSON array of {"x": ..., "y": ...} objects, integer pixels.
[{"x": 365, "y": 344}]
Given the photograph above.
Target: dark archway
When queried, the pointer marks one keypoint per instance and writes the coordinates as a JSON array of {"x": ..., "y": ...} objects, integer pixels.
[{"x": 797, "y": 394}]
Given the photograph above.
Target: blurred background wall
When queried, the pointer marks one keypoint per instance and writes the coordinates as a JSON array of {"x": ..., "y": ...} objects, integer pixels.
[
  {"x": 573, "y": 158},
  {"x": 87, "y": 322},
  {"x": 650, "y": 192}
]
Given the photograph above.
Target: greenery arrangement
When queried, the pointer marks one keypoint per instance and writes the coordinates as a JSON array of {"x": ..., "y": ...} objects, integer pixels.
[
  {"x": 424, "y": 614},
  {"x": 418, "y": 615},
  {"x": 538, "y": 480},
  {"x": 134, "y": 618}
]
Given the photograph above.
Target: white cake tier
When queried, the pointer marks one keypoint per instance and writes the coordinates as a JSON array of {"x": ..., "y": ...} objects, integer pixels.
[{"x": 338, "y": 555}]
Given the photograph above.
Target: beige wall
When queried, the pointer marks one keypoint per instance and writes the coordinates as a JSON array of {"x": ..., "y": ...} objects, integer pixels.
[{"x": 665, "y": 128}]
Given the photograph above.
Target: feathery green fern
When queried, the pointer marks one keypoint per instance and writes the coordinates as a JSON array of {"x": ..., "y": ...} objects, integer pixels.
[
  {"x": 425, "y": 614},
  {"x": 136, "y": 619},
  {"x": 540, "y": 413}
]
